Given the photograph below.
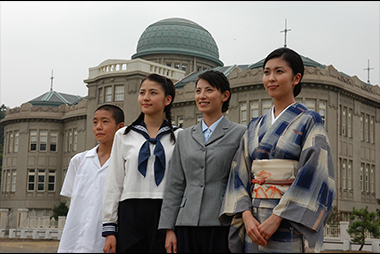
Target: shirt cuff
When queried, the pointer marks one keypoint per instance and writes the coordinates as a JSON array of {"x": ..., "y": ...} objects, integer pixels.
[{"x": 109, "y": 229}]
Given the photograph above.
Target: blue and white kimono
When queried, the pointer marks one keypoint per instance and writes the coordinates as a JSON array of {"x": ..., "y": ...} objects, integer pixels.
[{"x": 297, "y": 135}]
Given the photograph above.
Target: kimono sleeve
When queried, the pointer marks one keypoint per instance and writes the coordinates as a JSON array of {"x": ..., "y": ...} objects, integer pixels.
[{"x": 307, "y": 204}]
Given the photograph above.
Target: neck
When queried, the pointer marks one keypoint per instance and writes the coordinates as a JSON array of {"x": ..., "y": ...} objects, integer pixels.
[
  {"x": 153, "y": 124},
  {"x": 104, "y": 151},
  {"x": 280, "y": 105},
  {"x": 210, "y": 119}
]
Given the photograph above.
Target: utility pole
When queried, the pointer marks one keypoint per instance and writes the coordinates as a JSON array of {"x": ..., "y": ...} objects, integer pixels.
[{"x": 285, "y": 31}]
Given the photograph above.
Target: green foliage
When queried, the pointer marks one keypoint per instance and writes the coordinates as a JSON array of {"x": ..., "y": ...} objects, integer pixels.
[
  {"x": 363, "y": 222},
  {"x": 335, "y": 217},
  {"x": 60, "y": 210},
  {"x": 378, "y": 210}
]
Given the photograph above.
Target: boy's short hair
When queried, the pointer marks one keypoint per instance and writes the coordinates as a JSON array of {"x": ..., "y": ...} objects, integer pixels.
[{"x": 117, "y": 112}]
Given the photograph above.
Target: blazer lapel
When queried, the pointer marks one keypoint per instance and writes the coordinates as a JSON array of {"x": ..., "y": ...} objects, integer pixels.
[
  {"x": 219, "y": 131},
  {"x": 197, "y": 133}
]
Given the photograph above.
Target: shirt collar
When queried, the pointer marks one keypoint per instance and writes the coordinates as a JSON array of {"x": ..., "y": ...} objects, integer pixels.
[{"x": 212, "y": 127}]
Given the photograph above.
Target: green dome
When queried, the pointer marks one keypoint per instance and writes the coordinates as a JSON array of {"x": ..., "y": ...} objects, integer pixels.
[{"x": 177, "y": 36}]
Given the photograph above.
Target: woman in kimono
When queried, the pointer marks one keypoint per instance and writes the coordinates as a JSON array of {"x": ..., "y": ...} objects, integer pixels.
[{"x": 281, "y": 185}]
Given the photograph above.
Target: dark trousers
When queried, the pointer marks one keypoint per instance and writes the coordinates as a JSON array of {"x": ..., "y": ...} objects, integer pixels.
[
  {"x": 138, "y": 223},
  {"x": 202, "y": 239}
]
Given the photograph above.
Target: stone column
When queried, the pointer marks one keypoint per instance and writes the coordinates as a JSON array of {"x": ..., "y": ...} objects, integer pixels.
[
  {"x": 343, "y": 231},
  {"x": 45, "y": 222},
  {"x": 3, "y": 218},
  {"x": 61, "y": 222},
  {"x": 21, "y": 218}
]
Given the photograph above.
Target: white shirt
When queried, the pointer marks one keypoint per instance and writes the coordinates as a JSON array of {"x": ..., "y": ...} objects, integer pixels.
[
  {"x": 84, "y": 184},
  {"x": 124, "y": 181},
  {"x": 207, "y": 131}
]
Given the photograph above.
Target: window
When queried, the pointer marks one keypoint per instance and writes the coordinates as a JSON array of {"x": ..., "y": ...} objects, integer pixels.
[
  {"x": 254, "y": 108},
  {"x": 266, "y": 106},
  {"x": 349, "y": 173},
  {"x": 344, "y": 174},
  {"x": 33, "y": 140},
  {"x": 343, "y": 120},
  {"x": 176, "y": 65},
  {"x": 31, "y": 179},
  {"x": 199, "y": 118},
  {"x": 366, "y": 128},
  {"x": 199, "y": 68},
  {"x": 310, "y": 104},
  {"x": 367, "y": 178},
  {"x": 108, "y": 94},
  {"x": 184, "y": 67},
  {"x": 361, "y": 176},
  {"x": 75, "y": 139},
  {"x": 119, "y": 93},
  {"x": 173, "y": 121},
  {"x": 66, "y": 139},
  {"x": 100, "y": 99},
  {"x": 51, "y": 180},
  {"x": 322, "y": 110},
  {"x": 4, "y": 181},
  {"x": 70, "y": 140},
  {"x": 371, "y": 130},
  {"x": 361, "y": 126},
  {"x": 53, "y": 141},
  {"x": 43, "y": 140},
  {"x": 169, "y": 64},
  {"x": 8, "y": 181},
  {"x": 180, "y": 121},
  {"x": 243, "y": 113},
  {"x": 349, "y": 123},
  {"x": 17, "y": 136},
  {"x": 10, "y": 147},
  {"x": 14, "y": 176},
  {"x": 372, "y": 179},
  {"x": 41, "y": 180}
]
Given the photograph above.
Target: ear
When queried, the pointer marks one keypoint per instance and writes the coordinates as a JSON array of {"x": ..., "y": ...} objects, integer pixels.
[
  {"x": 225, "y": 96},
  {"x": 296, "y": 79},
  {"x": 120, "y": 125},
  {"x": 168, "y": 100}
]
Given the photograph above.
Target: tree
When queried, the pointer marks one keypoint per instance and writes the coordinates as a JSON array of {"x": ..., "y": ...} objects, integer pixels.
[
  {"x": 60, "y": 210},
  {"x": 335, "y": 217},
  {"x": 378, "y": 210},
  {"x": 363, "y": 222}
]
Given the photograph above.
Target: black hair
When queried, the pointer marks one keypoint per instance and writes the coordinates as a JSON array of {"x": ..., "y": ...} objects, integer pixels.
[
  {"x": 117, "y": 112},
  {"x": 169, "y": 88},
  {"x": 294, "y": 61},
  {"x": 218, "y": 80}
]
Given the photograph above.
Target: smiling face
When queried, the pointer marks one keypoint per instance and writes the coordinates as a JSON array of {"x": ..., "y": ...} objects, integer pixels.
[
  {"x": 104, "y": 126},
  {"x": 152, "y": 99},
  {"x": 209, "y": 99},
  {"x": 279, "y": 79}
]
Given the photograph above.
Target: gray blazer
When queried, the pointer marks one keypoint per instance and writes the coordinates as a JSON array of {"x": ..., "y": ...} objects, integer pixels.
[{"x": 198, "y": 175}]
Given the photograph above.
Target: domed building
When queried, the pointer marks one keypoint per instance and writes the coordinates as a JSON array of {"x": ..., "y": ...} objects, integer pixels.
[{"x": 42, "y": 135}]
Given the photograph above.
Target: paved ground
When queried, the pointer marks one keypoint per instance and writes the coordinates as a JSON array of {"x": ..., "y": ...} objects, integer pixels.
[
  {"x": 12, "y": 245},
  {"x": 16, "y": 245}
]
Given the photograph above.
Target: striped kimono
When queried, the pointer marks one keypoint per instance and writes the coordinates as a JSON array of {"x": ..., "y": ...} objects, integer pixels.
[{"x": 297, "y": 135}]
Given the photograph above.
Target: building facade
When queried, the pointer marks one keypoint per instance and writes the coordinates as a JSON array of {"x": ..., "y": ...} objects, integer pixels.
[{"x": 42, "y": 135}]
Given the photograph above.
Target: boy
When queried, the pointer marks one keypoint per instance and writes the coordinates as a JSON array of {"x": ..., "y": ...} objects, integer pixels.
[{"x": 84, "y": 184}]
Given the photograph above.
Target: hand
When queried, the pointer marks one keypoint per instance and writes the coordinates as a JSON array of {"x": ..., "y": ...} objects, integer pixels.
[
  {"x": 110, "y": 244},
  {"x": 171, "y": 241},
  {"x": 251, "y": 227},
  {"x": 269, "y": 226}
]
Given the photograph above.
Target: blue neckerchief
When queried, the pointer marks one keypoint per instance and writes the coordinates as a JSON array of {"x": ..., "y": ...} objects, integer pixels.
[{"x": 159, "y": 152}]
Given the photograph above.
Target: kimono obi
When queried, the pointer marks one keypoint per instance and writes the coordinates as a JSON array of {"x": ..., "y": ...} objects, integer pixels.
[{"x": 272, "y": 178}]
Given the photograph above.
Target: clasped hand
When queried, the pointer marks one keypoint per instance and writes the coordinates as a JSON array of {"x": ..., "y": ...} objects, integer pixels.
[{"x": 260, "y": 233}]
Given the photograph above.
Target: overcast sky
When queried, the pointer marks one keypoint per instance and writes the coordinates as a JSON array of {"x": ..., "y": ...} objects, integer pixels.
[{"x": 70, "y": 37}]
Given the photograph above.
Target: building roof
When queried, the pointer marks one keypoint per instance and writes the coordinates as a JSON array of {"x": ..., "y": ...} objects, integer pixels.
[
  {"x": 192, "y": 77},
  {"x": 306, "y": 61},
  {"x": 177, "y": 36},
  {"x": 55, "y": 99}
]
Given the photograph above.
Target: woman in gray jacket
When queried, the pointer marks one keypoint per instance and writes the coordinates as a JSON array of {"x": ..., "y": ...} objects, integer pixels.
[{"x": 198, "y": 173}]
